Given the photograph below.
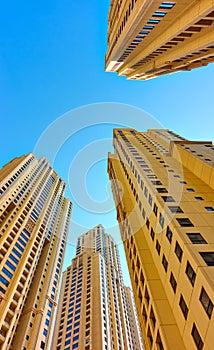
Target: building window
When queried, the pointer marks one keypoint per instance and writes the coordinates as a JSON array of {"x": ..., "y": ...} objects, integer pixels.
[
  {"x": 150, "y": 199},
  {"x": 206, "y": 302},
  {"x": 165, "y": 263},
  {"x": 158, "y": 247},
  {"x": 184, "y": 222},
  {"x": 196, "y": 238},
  {"x": 190, "y": 273},
  {"x": 155, "y": 209},
  {"x": 208, "y": 258},
  {"x": 161, "y": 190},
  {"x": 178, "y": 251},
  {"x": 152, "y": 234},
  {"x": 183, "y": 307},
  {"x": 190, "y": 190},
  {"x": 168, "y": 199},
  {"x": 161, "y": 220},
  {"x": 169, "y": 234},
  {"x": 45, "y": 332},
  {"x": 209, "y": 208},
  {"x": 42, "y": 345},
  {"x": 199, "y": 198},
  {"x": 173, "y": 282},
  {"x": 4, "y": 281},
  {"x": 156, "y": 182},
  {"x": 175, "y": 209},
  {"x": 7, "y": 273},
  {"x": 147, "y": 223},
  {"x": 197, "y": 338}
]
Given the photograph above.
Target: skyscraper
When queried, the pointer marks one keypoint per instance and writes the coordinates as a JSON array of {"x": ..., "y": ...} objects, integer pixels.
[
  {"x": 133, "y": 319},
  {"x": 94, "y": 312},
  {"x": 147, "y": 39},
  {"x": 34, "y": 227},
  {"x": 163, "y": 186}
]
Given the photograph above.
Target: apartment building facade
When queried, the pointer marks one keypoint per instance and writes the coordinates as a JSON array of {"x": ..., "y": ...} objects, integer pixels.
[
  {"x": 34, "y": 225},
  {"x": 147, "y": 39},
  {"x": 93, "y": 310},
  {"x": 163, "y": 187}
]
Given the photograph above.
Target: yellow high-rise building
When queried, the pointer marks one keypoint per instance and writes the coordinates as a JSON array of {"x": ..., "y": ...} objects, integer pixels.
[
  {"x": 163, "y": 186},
  {"x": 94, "y": 311},
  {"x": 34, "y": 225},
  {"x": 147, "y": 39}
]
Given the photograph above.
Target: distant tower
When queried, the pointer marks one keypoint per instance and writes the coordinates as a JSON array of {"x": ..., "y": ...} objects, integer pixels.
[
  {"x": 34, "y": 225},
  {"x": 93, "y": 311},
  {"x": 163, "y": 186},
  {"x": 147, "y": 39},
  {"x": 133, "y": 319}
]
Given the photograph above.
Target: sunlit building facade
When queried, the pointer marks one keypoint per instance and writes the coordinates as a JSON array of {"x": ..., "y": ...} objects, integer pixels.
[
  {"x": 147, "y": 39},
  {"x": 34, "y": 225},
  {"x": 93, "y": 311},
  {"x": 163, "y": 187}
]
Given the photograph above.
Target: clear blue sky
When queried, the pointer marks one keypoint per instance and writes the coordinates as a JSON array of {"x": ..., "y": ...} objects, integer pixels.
[{"x": 52, "y": 61}]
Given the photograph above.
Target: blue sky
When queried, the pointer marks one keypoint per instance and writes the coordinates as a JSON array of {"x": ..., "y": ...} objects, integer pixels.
[{"x": 52, "y": 61}]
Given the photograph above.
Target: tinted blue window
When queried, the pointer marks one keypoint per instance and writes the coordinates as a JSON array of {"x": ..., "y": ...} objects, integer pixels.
[
  {"x": 156, "y": 21},
  {"x": 49, "y": 313},
  {"x": 7, "y": 272},
  {"x": 4, "y": 281},
  {"x": 68, "y": 342},
  {"x": 16, "y": 252},
  {"x": 75, "y": 346},
  {"x": 14, "y": 259},
  {"x": 68, "y": 335},
  {"x": 19, "y": 247},
  {"x": 11, "y": 266},
  {"x": 68, "y": 328},
  {"x": 45, "y": 332},
  {"x": 23, "y": 236},
  {"x": 26, "y": 232},
  {"x": 22, "y": 242}
]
